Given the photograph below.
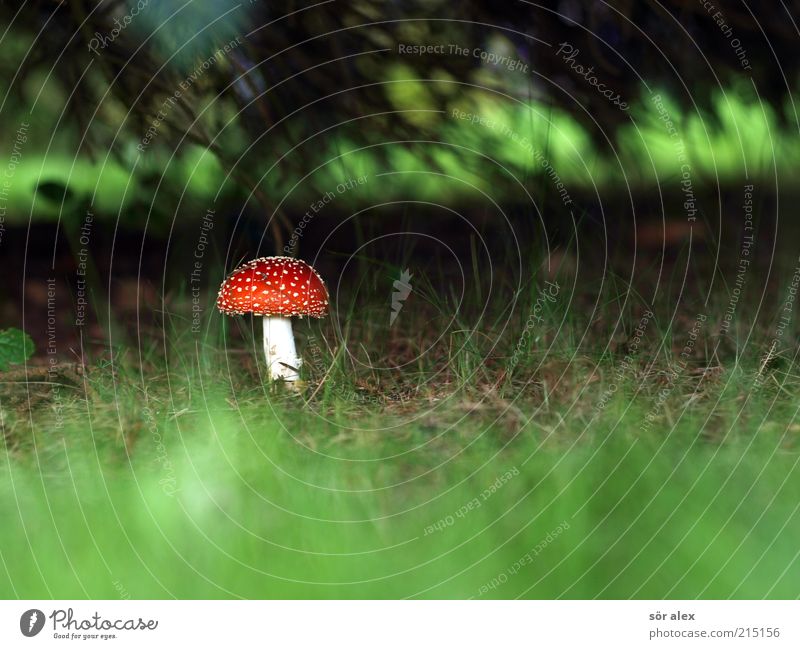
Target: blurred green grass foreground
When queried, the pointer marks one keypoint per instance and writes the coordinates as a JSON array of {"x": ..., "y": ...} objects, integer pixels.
[{"x": 200, "y": 482}]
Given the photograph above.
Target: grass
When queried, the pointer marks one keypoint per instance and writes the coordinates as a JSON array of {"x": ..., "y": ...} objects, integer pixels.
[{"x": 420, "y": 461}]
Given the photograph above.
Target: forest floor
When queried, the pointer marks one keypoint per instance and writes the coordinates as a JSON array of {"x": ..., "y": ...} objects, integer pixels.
[{"x": 554, "y": 435}]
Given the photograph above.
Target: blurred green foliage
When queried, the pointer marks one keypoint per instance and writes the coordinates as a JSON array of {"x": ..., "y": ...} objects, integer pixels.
[
  {"x": 740, "y": 137},
  {"x": 15, "y": 347},
  {"x": 303, "y": 102}
]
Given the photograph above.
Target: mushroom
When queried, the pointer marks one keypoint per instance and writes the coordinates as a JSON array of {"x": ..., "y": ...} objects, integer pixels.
[{"x": 278, "y": 289}]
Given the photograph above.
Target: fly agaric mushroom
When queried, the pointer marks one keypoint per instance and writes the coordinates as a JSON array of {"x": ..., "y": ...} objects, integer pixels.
[{"x": 278, "y": 289}]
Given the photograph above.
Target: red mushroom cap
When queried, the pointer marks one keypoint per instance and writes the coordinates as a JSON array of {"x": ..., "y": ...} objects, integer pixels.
[{"x": 274, "y": 286}]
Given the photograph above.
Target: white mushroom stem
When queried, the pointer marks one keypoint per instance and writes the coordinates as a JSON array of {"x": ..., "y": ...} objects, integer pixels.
[{"x": 279, "y": 350}]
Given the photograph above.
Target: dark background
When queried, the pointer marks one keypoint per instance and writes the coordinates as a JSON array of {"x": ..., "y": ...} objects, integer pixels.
[{"x": 256, "y": 136}]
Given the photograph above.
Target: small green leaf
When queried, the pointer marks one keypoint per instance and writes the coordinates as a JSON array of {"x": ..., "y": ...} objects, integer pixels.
[{"x": 15, "y": 347}]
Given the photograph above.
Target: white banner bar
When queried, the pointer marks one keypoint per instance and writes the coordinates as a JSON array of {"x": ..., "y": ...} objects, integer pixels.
[{"x": 400, "y": 624}]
